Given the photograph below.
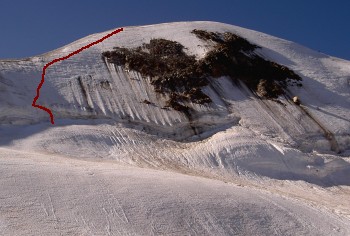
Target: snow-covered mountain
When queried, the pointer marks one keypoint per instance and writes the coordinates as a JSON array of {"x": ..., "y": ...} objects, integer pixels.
[{"x": 293, "y": 158}]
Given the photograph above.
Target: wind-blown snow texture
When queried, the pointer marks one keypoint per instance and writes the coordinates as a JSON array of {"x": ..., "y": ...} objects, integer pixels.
[{"x": 299, "y": 154}]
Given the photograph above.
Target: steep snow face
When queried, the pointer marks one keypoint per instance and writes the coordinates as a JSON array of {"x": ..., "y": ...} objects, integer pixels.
[
  {"x": 296, "y": 151},
  {"x": 86, "y": 86}
]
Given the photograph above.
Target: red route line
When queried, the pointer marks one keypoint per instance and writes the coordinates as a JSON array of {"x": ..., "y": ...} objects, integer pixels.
[{"x": 62, "y": 59}]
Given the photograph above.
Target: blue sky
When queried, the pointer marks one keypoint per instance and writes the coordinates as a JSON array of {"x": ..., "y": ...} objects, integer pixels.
[{"x": 32, "y": 27}]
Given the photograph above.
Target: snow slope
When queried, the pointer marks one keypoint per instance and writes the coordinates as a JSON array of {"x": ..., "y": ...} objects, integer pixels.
[
  {"x": 53, "y": 195},
  {"x": 266, "y": 146}
]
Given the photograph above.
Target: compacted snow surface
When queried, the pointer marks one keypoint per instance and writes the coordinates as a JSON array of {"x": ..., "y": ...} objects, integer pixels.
[{"x": 113, "y": 165}]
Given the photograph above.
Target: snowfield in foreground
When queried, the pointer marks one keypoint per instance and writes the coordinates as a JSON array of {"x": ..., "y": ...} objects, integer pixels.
[
  {"x": 53, "y": 195},
  {"x": 114, "y": 165}
]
